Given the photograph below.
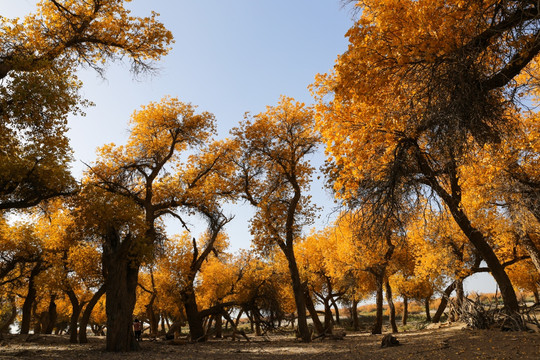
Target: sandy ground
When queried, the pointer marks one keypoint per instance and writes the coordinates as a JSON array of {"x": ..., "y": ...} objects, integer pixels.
[{"x": 448, "y": 342}]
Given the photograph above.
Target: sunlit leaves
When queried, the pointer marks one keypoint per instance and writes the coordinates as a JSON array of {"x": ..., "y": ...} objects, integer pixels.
[{"x": 88, "y": 32}]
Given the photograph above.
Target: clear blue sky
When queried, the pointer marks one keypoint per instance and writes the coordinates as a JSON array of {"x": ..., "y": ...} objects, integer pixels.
[{"x": 229, "y": 57}]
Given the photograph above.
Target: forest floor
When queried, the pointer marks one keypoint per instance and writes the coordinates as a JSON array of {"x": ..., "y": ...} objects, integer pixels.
[{"x": 447, "y": 342}]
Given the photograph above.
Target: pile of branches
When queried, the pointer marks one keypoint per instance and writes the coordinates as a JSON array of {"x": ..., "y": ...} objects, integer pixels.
[{"x": 478, "y": 314}]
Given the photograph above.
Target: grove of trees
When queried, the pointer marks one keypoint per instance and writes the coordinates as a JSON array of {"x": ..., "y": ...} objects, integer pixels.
[{"x": 432, "y": 138}]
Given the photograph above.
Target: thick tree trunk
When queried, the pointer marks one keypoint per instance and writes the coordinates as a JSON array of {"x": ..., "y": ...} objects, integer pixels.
[
  {"x": 219, "y": 326},
  {"x": 51, "y": 315},
  {"x": 121, "y": 277},
  {"x": 195, "y": 321},
  {"x": 391, "y": 306},
  {"x": 87, "y": 312},
  {"x": 29, "y": 300},
  {"x": 427, "y": 307},
  {"x": 405, "y": 310},
  {"x": 444, "y": 302},
  {"x": 298, "y": 291},
  {"x": 319, "y": 328},
  {"x": 354, "y": 314},
  {"x": 257, "y": 320},
  {"x": 377, "y": 326},
  {"x": 37, "y": 318}
]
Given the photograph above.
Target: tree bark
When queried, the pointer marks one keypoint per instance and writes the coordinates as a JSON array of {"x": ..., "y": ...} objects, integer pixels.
[
  {"x": 152, "y": 318},
  {"x": 336, "y": 310},
  {"x": 87, "y": 313},
  {"x": 52, "y": 315},
  {"x": 377, "y": 326},
  {"x": 477, "y": 239},
  {"x": 391, "y": 306},
  {"x": 76, "y": 308},
  {"x": 219, "y": 326},
  {"x": 195, "y": 321},
  {"x": 298, "y": 290},
  {"x": 29, "y": 300},
  {"x": 444, "y": 302},
  {"x": 121, "y": 272},
  {"x": 405, "y": 310},
  {"x": 532, "y": 249},
  {"x": 257, "y": 320},
  {"x": 354, "y": 314},
  {"x": 328, "y": 318},
  {"x": 428, "y": 313},
  {"x": 460, "y": 293},
  {"x": 313, "y": 312}
]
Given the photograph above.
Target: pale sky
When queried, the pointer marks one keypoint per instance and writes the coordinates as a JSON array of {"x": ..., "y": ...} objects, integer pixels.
[{"x": 229, "y": 57}]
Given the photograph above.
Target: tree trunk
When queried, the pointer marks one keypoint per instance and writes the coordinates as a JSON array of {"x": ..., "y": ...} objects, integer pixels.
[
  {"x": 87, "y": 312},
  {"x": 121, "y": 277},
  {"x": 195, "y": 322},
  {"x": 219, "y": 326},
  {"x": 52, "y": 315},
  {"x": 163, "y": 328},
  {"x": 336, "y": 310},
  {"x": 444, "y": 302},
  {"x": 487, "y": 253},
  {"x": 237, "y": 321},
  {"x": 328, "y": 318},
  {"x": 152, "y": 318},
  {"x": 29, "y": 300},
  {"x": 533, "y": 251},
  {"x": 405, "y": 310},
  {"x": 354, "y": 314},
  {"x": 391, "y": 306},
  {"x": 428, "y": 313},
  {"x": 460, "y": 293},
  {"x": 453, "y": 201},
  {"x": 38, "y": 318},
  {"x": 313, "y": 312},
  {"x": 298, "y": 290},
  {"x": 257, "y": 320},
  {"x": 76, "y": 308},
  {"x": 377, "y": 326}
]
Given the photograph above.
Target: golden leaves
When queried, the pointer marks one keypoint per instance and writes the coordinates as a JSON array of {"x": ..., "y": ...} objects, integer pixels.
[{"x": 89, "y": 32}]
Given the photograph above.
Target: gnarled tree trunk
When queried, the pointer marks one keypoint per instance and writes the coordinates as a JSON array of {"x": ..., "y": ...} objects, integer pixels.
[
  {"x": 195, "y": 321},
  {"x": 121, "y": 273}
]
